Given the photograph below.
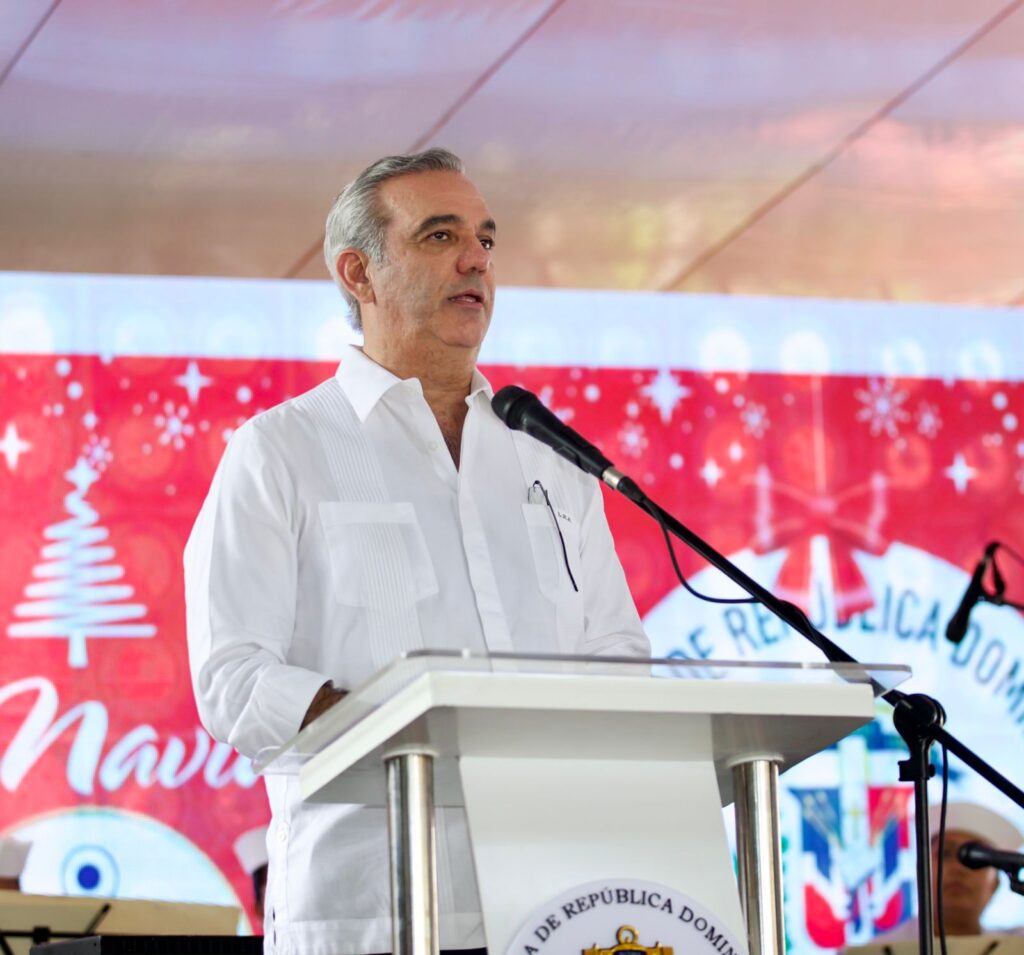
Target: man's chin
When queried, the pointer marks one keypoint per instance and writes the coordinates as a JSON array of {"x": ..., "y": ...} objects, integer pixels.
[
  {"x": 467, "y": 334},
  {"x": 958, "y": 906}
]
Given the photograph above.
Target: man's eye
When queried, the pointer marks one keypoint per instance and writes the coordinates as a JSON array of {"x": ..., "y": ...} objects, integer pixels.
[
  {"x": 487, "y": 242},
  {"x": 439, "y": 235}
]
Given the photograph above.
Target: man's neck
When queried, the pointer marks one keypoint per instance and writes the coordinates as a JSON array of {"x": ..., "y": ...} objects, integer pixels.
[
  {"x": 445, "y": 374},
  {"x": 960, "y": 926}
]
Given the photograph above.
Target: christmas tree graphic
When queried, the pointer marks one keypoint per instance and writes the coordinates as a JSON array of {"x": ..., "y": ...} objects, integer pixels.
[{"x": 74, "y": 594}]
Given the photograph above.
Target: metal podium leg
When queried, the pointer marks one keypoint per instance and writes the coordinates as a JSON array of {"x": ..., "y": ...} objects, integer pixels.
[
  {"x": 758, "y": 848},
  {"x": 410, "y": 781}
]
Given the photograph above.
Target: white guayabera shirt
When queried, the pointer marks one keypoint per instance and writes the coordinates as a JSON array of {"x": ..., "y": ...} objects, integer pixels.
[{"x": 337, "y": 534}]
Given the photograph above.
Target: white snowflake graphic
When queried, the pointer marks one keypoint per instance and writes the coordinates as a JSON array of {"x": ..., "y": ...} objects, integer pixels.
[
  {"x": 546, "y": 395},
  {"x": 665, "y": 392},
  {"x": 928, "y": 420},
  {"x": 633, "y": 439},
  {"x": 755, "y": 420},
  {"x": 960, "y": 473},
  {"x": 173, "y": 426},
  {"x": 193, "y": 381},
  {"x": 13, "y": 446},
  {"x": 711, "y": 472},
  {"x": 97, "y": 453},
  {"x": 883, "y": 407}
]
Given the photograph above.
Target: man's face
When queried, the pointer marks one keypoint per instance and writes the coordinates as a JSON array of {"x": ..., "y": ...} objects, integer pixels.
[
  {"x": 965, "y": 892},
  {"x": 436, "y": 285}
]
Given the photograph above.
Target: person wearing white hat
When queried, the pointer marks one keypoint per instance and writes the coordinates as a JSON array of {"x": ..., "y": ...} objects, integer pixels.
[
  {"x": 966, "y": 893},
  {"x": 251, "y": 852},
  {"x": 13, "y": 853}
]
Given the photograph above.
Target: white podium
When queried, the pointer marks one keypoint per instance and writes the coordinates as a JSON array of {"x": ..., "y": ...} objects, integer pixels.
[{"x": 573, "y": 770}]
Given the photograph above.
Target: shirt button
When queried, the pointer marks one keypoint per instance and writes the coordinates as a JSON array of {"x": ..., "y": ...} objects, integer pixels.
[
  {"x": 433, "y": 446},
  {"x": 282, "y": 832}
]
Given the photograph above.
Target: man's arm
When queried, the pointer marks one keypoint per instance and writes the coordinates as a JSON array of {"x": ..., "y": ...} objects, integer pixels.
[{"x": 241, "y": 570}]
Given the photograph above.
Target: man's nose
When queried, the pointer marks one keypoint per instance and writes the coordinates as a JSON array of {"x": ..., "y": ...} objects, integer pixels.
[{"x": 475, "y": 258}]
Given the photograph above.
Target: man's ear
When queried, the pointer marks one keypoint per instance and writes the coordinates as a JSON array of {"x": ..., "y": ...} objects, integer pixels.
[{"x": 353, "y": 273}]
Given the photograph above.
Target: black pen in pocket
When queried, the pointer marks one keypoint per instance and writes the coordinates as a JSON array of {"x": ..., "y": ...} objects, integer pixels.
[{"x": 534, "y": 495}]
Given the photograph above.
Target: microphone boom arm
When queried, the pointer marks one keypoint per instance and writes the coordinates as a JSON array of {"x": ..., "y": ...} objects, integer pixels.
[{"x": 793, "y": 616}]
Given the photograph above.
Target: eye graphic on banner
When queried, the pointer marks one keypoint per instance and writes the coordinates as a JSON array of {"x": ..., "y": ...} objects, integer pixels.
[
  {"x": 90, "y": 870},
  {"x": 111, "y": 852}
]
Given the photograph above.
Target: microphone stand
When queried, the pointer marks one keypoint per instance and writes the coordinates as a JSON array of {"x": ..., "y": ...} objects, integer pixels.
[{"x": 918, "y": 718}]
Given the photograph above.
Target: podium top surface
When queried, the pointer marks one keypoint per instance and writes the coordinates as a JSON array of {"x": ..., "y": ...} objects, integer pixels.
[{"x": 612, "y": 707}]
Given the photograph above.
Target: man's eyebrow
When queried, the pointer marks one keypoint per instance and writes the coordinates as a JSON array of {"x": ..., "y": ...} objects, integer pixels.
[{"x": 432, "y": 222}]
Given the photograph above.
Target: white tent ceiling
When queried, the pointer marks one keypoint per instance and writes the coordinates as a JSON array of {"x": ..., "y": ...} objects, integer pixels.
[{"x": 847, "y": 148}]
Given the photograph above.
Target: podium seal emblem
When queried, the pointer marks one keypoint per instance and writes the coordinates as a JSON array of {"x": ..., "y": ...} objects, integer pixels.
[
  {"x": 587, "y": 917},
  {"x": 628, "y": 941}
]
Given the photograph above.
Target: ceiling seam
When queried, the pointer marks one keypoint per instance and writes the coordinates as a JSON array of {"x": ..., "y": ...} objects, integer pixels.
[
  {"x": 27, "y": 42},
  {"x": 446, "y": 117},
  {"x": 482, "y": 79},
  {"x": 839, "y": 148}
]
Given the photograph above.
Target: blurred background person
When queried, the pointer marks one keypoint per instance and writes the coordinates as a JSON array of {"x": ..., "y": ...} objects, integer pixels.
[
  {"x": 251, "y": 852},
  {"x": 966, "y": 892},
  {"x": 13, "y": 853}
]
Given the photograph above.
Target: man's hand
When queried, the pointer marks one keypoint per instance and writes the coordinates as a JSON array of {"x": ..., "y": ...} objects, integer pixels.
[{"x": 325, "y": 698}]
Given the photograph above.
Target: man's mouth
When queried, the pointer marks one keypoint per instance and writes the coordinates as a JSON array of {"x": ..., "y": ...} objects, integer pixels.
[{"x": 468, "y": 298}]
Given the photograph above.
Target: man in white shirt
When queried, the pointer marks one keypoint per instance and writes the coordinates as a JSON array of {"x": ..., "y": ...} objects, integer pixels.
[{"x": 386, "y": 510}]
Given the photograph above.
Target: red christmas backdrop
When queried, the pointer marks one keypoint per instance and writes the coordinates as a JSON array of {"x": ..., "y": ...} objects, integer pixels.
[{"x": 104, "y": 464}]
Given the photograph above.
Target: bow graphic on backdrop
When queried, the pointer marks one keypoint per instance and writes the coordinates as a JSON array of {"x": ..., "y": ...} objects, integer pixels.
[{"x": 786, "y": 516}]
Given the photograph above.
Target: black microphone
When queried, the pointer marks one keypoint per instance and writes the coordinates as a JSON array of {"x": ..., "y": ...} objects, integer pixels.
[
  {"x": 976, "y": 855},
  {"x": 522, "y": 410},
  {"x": 957, "y": 626}
]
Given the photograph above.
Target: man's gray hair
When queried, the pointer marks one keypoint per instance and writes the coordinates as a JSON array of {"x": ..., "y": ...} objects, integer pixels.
[{"x": 356, "y": 219}]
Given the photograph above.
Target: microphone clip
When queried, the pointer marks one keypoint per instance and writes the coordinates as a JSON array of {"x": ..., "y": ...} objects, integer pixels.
[{"x": 998, "y": 582}]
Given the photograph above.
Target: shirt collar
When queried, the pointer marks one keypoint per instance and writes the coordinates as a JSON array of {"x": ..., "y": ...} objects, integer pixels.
[
  {"x": 365, "y": 382},
  {"x": 479, "y": 384}
]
